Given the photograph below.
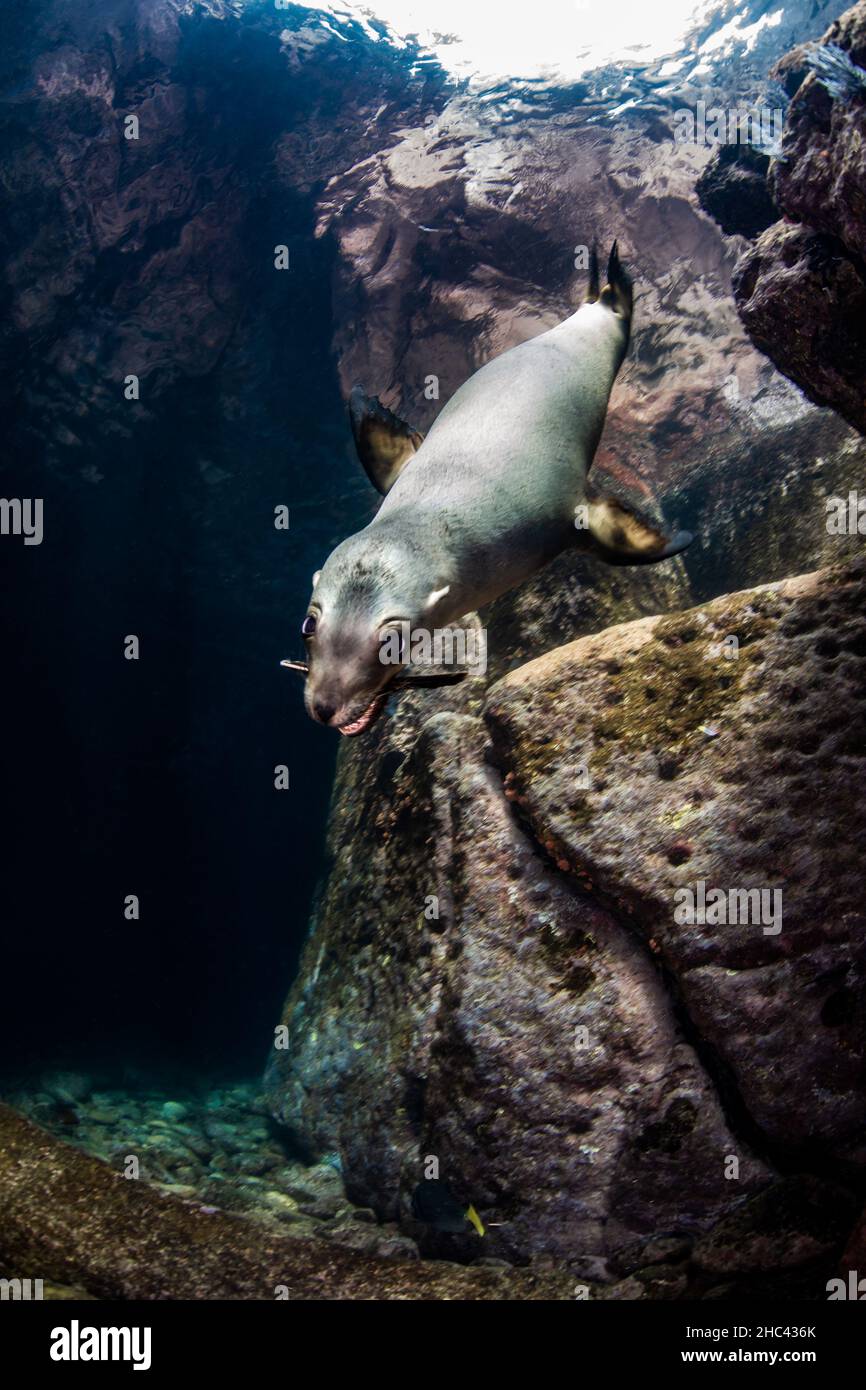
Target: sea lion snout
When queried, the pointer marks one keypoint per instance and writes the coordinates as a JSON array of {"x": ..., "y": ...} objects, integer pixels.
[
  {"x": 346, "y": 695},
  {"x": 352, "y": 716},
  {"x": 323, "y": 711}
]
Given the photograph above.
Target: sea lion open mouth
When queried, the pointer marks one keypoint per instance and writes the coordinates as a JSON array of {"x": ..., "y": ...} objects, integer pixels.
[
  {"x": 406, "y": 680},
  {"x": 371, "y": 713}
]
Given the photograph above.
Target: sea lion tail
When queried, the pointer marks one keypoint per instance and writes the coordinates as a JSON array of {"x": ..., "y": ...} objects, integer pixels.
[{"x": 617, "y": 294}]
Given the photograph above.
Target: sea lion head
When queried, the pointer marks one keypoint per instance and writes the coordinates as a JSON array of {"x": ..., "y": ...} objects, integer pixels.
[{"x": 364, "y": 600}]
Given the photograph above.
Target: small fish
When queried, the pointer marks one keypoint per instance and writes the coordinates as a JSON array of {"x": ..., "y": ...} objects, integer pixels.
[
  {"x": 709, "y": 730},
  {"x": 435, "y": 1203}
]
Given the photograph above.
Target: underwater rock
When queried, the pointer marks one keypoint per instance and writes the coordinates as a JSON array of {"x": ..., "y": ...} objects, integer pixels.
[
  {"x": 733, "y": 190},
  {"x": 820, "y": 179},
  {"x": 767, "y": 803},
  {"x": 658, "y": 1282},
  {"x": 461, "y": 1036},
  {"x": 175, "y": 1110},
  {"x": 798, "y": 1221},
  {"x": 496, "y": 977},
  {"x": 69, "y": 1217},
  {"x": 802, "y": 296},
  {"x": 801, "y": 288}
]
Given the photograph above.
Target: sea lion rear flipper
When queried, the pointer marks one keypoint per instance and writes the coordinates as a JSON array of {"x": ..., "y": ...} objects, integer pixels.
[
  {"x": 624, "y": 536},
  {"x": 617, "y": 292},
  {"x": 384, "y": 443}
]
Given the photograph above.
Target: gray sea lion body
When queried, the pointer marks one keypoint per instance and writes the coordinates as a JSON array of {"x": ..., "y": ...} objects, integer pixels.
[
  {"x": 495, "y": 491},
  {"x": 491, "y": 494}
]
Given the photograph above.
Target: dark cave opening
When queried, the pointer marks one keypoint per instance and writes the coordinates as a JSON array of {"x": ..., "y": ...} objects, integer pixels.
[{"x": 155, "y": 777}]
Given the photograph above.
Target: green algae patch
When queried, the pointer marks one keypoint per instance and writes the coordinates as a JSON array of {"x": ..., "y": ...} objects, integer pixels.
[
  {"x": 680, "y": 683},
  {"x": 665, "y": 695}
]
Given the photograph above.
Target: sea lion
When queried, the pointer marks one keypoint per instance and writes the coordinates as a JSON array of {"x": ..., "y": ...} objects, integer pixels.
[{"x": 498, "y": 487}]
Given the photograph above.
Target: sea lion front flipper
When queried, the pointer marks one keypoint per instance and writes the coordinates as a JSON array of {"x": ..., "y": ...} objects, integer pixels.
[
  {"x": 384, "y": 443},
  {"x": 622, "y": 535}
]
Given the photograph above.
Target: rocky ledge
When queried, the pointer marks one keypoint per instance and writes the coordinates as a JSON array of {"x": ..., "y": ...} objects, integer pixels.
[
  {"x": 68, "y": 1219},
  {"x": 500, "y": 975},
  {"x": 213, "y": 1147}
]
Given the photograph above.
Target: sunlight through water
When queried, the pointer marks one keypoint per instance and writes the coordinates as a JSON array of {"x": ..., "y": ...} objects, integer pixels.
[{"x": 553, "y": 40}]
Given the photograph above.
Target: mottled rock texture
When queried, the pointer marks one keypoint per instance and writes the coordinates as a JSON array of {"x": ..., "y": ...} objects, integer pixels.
[
  {"x": 801, "y": 288},
  {"x": 738, "y": 773},
  {"x": 70, "y": 1219},
  {"x": 458, "y": 1036},
  {"x": 620, "y": 768}
]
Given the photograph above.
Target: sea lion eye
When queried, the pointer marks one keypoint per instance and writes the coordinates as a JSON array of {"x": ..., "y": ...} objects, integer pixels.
[{"x": 308, "y": 626}]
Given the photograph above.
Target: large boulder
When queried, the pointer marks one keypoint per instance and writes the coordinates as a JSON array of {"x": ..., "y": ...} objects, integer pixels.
[
  {"x": 440, "y": 1012},
  {"x": 511, "y": 993},
  {"x": 739, "y": 767}
]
